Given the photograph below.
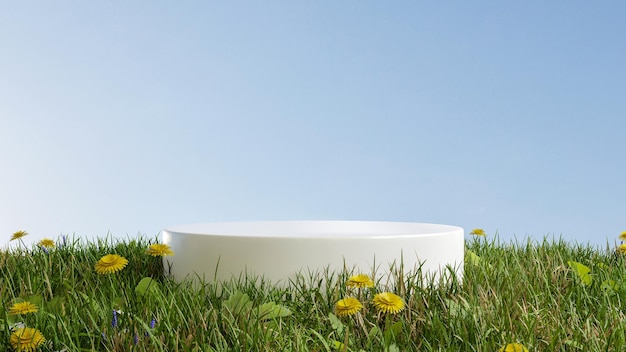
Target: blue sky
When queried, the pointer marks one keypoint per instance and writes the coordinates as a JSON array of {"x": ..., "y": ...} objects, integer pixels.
[{"x": 129, "y": 117}]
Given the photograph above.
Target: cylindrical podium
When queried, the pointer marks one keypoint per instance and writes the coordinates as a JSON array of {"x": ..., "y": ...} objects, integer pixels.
[{"x": 278, "y": 250}]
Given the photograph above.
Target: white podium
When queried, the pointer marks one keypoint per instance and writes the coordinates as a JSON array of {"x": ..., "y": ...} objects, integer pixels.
[{"x": 278, "y": 250}]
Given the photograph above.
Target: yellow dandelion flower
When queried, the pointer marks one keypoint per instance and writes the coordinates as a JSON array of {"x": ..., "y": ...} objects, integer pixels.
[
  {"x": 622, "y": 236},
  {"x": 159, "y": 250},
  {"x": 19, "y": 234},
  {"x": 478, "y": 232},
  {"x": 110, "y": 263},
  {"x": 23, "y": 308},
  {"x": 26, "y": 339},
  {"x": 388, "y": 302},
  {"x": 46, "y": 242},
  {"x": 347, "y": 306},
  {"x": 513, "y": 347},
  {"x": 360, "y": 281},
  {"x": 621, "y": 249}
]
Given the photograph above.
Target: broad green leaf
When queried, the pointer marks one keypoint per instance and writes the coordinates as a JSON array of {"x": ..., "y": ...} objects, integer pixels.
[
  {"x": 147, "y": 286},
  {"x": 396, "y": 328},
  {"x": 119, "y": 301},
  {"x": 238, "y": 303},
  {"x": 56, "y": 305},
  {"x": 374, "y": 332},
  {"x": 35, "y": 299},
  {"x": 272, "y": 310},
  {"x": 393, "y": 331},
  {"x": 457, "y": 309},
  {"x": 582, "y": 271},
  {"x": 471, "y": 257},
  {"x": 338, "y": 345},
  {"x": 609, "y": 285},
  {"x": 601, "y": 265},
  {"x": 574, "y": 344},
  {"x": 393, "y": 348},
  {"x": 335, "y": 323}
]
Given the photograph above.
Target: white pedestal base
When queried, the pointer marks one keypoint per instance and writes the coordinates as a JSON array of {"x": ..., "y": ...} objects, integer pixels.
[{"x": 277, "y": 250}]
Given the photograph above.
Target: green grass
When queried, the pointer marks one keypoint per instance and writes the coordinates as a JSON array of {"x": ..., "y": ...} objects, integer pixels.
[{"x": 511, "y": 292}]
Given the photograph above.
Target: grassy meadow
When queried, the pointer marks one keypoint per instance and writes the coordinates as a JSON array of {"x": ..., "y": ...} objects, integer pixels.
[{"x": 521, "y": 296}]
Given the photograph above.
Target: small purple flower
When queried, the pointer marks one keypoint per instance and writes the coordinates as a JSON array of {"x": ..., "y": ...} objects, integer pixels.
[
  {"x": 64, "y": 240},
  {"x": 44, "y": 249},
  {"x": 152, "y": 324},
  {"x": 136, "y": 339},
  {"x": 114, "y": 321}
]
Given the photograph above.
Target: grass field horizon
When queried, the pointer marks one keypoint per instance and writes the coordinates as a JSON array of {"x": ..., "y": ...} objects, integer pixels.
[{"x": 545, "y": 295}]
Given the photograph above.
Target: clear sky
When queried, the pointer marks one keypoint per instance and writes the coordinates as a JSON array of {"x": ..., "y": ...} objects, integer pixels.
[{"x": 128, "y": 117}]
